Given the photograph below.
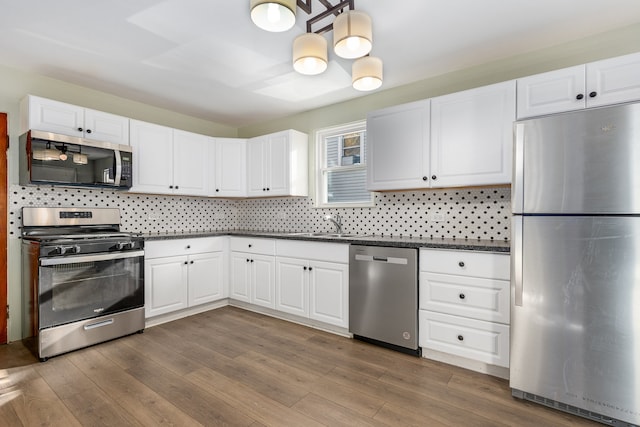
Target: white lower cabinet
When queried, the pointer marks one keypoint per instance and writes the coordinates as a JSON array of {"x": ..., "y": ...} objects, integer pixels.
[
  {"x": 465, "y": 304},
  {"x": 253, "y": 271},
  {"x": 181, "y": 273},
  {"x": 312, "y": 280}
]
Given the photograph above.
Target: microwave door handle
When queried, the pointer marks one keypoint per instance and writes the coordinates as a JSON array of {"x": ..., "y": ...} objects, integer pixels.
[{"x": 118, "y": 168}]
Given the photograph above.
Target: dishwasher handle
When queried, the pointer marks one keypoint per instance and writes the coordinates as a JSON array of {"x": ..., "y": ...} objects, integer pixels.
[{"x": 387, "y": 260}]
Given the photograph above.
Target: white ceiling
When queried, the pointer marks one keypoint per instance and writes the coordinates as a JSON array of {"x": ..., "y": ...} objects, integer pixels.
[{"x": 205, "y": 58}]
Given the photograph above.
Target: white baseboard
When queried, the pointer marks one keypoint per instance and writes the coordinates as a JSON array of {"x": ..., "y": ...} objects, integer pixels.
[{"x": 473, "y": 365}]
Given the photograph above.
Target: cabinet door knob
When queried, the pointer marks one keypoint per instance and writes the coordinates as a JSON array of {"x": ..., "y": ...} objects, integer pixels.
[
  {"x": 268, "y": 189},
  {"x": 264, "y": 189},
  {"x": 460, "y": 338},
  {"x": 462, "y": 296},
  {"x": 304, "y": 268},
  {"x": 248, "y": 260},
  {"x": 80, "y": 129},
  {"x": 171, "y": 186},
  {"x": 191, "y": 262},
  {"x": 424, "y": 178},
  {"x": 217, "y": 190},
  {"x": 251, "y": 260},
  {"x": 433, "y": 177},
  {"x": 461, "y": 264},
  {"x": 310, "y": 268},
  {"x": 250, "y": 245},
  {"x": 88, "y": 130},
  {"x": 593, "y": 94},
  {"x": 579, "y": 96},
  {"x": 188, "y": 246},
  {"x": 185, "y": 263},
  {"x": 176, "y": 187}
]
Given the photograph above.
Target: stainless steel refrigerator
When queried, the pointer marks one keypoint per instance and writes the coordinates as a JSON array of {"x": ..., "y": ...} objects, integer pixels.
[{"x": 575, "y": 319}]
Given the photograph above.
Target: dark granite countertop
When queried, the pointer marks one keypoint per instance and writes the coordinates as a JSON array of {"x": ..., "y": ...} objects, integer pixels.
[{"x": 370, "y": 240}]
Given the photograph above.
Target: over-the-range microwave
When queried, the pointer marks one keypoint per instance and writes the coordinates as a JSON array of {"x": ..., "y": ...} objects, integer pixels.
[{"x": 52, "y": 159}]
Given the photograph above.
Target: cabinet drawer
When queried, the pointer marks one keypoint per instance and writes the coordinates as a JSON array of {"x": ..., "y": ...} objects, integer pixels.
[
  {"x": 174, "y": 247},
  {"x": 474, "y": 339},
  {"x": 465, "y": 263},
  {"x": 253, "y": 245},
  {"x": 476, "y": 298},
  {"x": 320, "y": 251}
]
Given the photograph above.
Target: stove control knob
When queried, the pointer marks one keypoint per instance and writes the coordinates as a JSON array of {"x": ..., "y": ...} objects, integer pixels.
[
  {"x": 120, "y": 246},
  {"x": 58, "y": 250}
]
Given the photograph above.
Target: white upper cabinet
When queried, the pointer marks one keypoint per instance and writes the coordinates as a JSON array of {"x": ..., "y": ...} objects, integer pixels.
[
  {"x": 152, "y": 158},
  {"x": 471, "y": 136},
  {"x": 552, "y": 92},
  {"x": 613, "y": 81},
  {"x": 228, "y": 176},
  {"x": 398, "y": 147},
  {"x": 277, "y": 165},
  {"x": 190, "y": 165},
  {"x": 605, "y": 82},
  {"x": 168, "y": 161},
  {"x": 67, "y": 119}
]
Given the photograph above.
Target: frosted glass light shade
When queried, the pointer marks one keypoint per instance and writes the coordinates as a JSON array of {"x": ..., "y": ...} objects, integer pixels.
[
  {"x": 352, "y": 37},
  {"x": 366, "y": 73},
  {"x": 273, "y": 15},
  {"x": 310, "y": 54}
]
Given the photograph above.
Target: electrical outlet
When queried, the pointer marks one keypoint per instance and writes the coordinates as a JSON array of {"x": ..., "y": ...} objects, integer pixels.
[{"x": 437, "y": 217}]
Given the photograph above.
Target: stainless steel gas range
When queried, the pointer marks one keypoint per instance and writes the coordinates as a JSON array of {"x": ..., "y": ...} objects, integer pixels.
[{"x": 83, "y": 279}]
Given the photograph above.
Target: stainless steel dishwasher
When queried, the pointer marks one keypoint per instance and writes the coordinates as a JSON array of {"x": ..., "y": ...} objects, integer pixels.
[{"x": 383, "y": 296}]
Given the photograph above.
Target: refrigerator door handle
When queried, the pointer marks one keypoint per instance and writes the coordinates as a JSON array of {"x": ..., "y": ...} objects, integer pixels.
[
  {"x": 517, "y": 198},
  {"x": 516, "y": 259}
]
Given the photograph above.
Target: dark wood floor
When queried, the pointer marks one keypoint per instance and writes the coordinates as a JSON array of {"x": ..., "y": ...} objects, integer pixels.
[{"x": 233, "y": 367}]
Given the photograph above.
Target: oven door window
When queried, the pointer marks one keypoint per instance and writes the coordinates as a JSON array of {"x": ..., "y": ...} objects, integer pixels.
[{"x": 76, "y": 288}]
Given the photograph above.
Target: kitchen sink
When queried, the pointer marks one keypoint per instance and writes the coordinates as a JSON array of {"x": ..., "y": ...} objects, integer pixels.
[{"x": 324, "y": 234}]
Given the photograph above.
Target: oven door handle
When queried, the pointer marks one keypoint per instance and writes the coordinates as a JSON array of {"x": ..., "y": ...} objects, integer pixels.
[{"x": 89, "y": 258}]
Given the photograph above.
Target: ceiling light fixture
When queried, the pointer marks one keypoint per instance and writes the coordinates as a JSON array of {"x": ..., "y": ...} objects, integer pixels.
[
  {"x": 63, "y": 153},
  {"x": 352, "y": 37},
  {"x": 366, "y": 73},
  {"x": 79, "y": 158},
  {"x": 273, "y": 15},
  {"x": 310, "y": 54},
  {"x": 46, "y": 154}
]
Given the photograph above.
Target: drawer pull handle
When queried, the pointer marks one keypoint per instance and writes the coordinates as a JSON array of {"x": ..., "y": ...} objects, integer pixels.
[
  {"x": 460, "y": 338},
  {"x": 461, "y": 264},
  {"x": 462, "y": 296}
]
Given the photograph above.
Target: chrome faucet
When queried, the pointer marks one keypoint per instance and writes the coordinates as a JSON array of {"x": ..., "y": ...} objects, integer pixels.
[{"x": 336, "y": 220}]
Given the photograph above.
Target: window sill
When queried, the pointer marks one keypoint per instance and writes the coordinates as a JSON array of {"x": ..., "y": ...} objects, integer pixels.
[{"x": 371, "y": 204}]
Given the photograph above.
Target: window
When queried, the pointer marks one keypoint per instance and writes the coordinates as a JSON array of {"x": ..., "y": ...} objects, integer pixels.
[{"x": 342, "y": 170}]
